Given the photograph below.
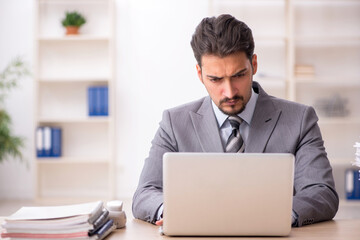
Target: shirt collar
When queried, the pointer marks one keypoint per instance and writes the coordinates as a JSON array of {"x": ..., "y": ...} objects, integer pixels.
[{"x": 246, "y": 115}]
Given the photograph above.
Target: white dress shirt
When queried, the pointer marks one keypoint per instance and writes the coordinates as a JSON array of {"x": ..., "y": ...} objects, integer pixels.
[{"x": 246, "y": 116}]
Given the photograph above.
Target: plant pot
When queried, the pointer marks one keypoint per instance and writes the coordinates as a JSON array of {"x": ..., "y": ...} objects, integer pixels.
[{"x": 72, "y": 30}]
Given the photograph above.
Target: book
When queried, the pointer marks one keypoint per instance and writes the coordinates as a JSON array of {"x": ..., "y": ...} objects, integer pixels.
[
  {"x": 98, "y": 101},
  {"x": 104, "y": 101},
  {"x": 69, "y": 221},
  {"x": 39, "y": 142},
  {"x": 56, "y": 142},
  {"x": 352, "y": 184},
  {"x": 90, "y": 210},
  {"x": 91, "y": 101},
  {"x": 48, "y": 141}
]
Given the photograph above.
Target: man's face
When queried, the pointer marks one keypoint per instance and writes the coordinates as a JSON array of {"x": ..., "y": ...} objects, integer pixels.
[{"x": 228, "y": 80}]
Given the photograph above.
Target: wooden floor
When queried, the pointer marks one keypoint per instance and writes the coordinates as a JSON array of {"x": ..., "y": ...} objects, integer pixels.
[{"x": 347, "y": 209}]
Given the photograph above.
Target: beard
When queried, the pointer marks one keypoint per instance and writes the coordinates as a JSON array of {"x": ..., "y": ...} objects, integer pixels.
[{"x": 234, "y": 109}]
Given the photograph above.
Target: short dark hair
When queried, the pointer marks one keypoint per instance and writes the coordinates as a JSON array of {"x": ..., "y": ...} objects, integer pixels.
[{"x": 222, "y": 36}]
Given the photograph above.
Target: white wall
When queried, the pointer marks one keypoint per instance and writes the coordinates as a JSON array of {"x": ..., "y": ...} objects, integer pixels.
[
  {"x": 16, "y": 27},
  {"x": 155, "y": 70}
]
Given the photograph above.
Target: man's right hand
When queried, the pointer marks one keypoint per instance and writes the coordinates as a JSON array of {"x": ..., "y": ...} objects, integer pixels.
[{"x": 160, "y": 222}]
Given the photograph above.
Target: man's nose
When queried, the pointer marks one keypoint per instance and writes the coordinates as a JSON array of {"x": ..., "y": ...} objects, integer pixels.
[{"x": 229, "y": 90}]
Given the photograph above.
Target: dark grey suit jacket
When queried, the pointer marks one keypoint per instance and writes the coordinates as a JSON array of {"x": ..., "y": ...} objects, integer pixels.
[{"x": 278, "y": 126}]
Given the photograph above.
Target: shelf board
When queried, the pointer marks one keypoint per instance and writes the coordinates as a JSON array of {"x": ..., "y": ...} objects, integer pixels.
[
  {"x": 349, "y": 203},
  {"x": 271, "y": 82},
  {"x": 323, "y": 40},
  {"x": 333, "y": 2},
  {"x": 73, "y": 38},
  {"x": 338, "y": 120},
  {"x": 268, "y": 39},
  {"x": 69, "y": 1},
  {"x": 55, "y": 201},
  {"x": 94, "y": 119},
  {"x": 72, "y": 160},
  {"x": 74, "y": 80},
  {"x": 343, "y": 162},
  {"x": 331, "y": 81}
]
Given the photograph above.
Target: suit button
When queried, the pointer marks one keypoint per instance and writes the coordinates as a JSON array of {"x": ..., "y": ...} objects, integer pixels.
[{"x": 308, "y": 221}]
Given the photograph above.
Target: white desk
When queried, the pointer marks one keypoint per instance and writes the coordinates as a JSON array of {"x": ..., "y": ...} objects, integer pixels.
[{"x": 330, "y": 230}]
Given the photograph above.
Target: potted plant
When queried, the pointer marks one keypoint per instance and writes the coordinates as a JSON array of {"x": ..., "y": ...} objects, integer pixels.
[
  {"x": 72, "y": 22},
  {"x": 10, "y": 145}
]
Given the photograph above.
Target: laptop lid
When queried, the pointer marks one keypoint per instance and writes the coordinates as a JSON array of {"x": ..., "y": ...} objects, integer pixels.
[{"x": 225, "y": 194}]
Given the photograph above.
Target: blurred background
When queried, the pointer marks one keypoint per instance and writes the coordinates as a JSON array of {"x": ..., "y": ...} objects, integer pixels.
[{"x": 139, "y": 53}]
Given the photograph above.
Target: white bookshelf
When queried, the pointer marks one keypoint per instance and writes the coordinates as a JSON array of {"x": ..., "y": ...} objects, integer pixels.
[
  {"x": 327, "y": 36},
  {"x": 65, "y": 66},
  {"x": 322, "y": 33}
]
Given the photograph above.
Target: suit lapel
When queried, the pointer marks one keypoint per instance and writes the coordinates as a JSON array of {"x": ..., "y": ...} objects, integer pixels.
[
  {"x": 206, "y": 127},
  {"x": 263, "y": 122}
]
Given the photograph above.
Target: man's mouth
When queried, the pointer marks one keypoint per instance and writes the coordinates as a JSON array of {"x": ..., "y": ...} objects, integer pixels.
[{"x": 230, "y": 101}]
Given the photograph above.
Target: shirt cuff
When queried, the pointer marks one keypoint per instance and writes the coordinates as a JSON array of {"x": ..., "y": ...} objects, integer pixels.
[
  {"x": 160, "y": 212},
  {"x": 294, "y": 219}
]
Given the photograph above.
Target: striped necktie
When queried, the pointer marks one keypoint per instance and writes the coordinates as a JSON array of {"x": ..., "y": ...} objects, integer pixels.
[{"x": 235, "y": 142}]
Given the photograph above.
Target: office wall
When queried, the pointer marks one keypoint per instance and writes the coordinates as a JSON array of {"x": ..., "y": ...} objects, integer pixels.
[
  {"x": 155, "y": 70},
  {"x": 16, "y": 19}
]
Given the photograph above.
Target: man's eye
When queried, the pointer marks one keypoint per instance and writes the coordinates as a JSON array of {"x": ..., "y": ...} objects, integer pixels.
[
  {"x": 214, "y": 79},
  {"x": 239, "y": 75}
]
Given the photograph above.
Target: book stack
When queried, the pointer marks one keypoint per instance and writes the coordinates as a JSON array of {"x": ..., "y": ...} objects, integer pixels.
[
  {"x": 80, "y": 221},
  {"x": 98, "y": 101},
  {"x": 48, "y": 142},
  {"x": 304, "y": 72}
]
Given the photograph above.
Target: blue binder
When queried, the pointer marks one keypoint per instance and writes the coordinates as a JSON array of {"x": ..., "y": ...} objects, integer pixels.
[
  {"x": 40, "y": 142},
  {"x": 352, "y": 184},
  {"x": 98, "y": 101},
  {"x": 48, "y": 141},
  {"x": 91, "y": 101},
  {"x": 47, "y": 133},
  {"x": 56, "y": 142},
  {"x": 104, "y": 100}
]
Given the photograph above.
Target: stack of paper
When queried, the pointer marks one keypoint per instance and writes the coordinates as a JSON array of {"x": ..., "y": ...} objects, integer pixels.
[
  {"x": 357, "y": 154},
  {"x": 80, "y": 221}
]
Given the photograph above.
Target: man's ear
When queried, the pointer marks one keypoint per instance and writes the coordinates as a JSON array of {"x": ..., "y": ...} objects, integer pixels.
[
  {"x": 198, "y": 69},
  {"x": 254, "y": 63}
]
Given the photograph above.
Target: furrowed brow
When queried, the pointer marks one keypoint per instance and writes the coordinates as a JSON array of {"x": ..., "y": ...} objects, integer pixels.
[
  {"x": 239, "y": 72},
  {"x": 213, "y": 77}
]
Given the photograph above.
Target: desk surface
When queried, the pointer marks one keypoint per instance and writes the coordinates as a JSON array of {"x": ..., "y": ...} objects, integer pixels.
[
  {"x": 338, "y": 229},
  {"x": 330, "y": 230}
]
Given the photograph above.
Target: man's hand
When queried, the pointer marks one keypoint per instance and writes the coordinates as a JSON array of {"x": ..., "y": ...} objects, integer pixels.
[{"x": 160, "y": 222}]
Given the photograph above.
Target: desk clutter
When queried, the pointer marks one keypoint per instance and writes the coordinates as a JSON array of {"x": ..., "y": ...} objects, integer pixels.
[{"x": 90, "y": 220}]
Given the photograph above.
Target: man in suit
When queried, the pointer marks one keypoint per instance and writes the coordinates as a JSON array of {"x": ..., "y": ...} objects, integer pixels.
[{"x": 224, "y": 50}]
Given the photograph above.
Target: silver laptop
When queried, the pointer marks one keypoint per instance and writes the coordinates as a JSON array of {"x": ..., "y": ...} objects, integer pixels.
[{"x": 225, "y": 194}]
